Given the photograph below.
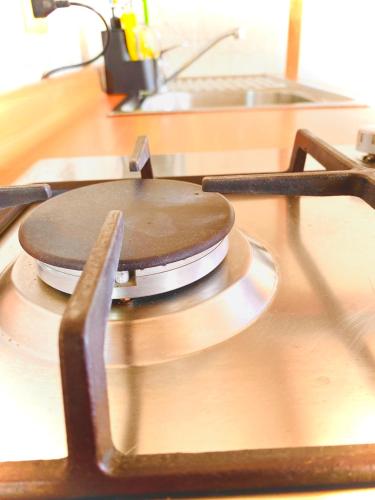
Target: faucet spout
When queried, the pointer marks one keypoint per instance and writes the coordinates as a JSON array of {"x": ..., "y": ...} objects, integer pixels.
[{"x": 236, "y": 33}]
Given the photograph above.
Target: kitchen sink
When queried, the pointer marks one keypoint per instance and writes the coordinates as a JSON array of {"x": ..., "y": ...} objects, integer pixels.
[{"x": 231, "y": 92}]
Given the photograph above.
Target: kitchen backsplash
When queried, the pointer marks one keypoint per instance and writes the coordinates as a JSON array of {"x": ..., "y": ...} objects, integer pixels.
[
  {"x": 335, "y": 50},
  {"x": 73, "y": 35}
]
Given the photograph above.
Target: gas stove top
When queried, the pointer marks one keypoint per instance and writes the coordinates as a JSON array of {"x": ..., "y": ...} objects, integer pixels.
[{"x": 256, "y": 374}]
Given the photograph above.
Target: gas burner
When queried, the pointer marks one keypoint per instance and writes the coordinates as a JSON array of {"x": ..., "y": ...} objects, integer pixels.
[
  {"x": 174, "y": 234},
  {"x": 196, "y": 317}
]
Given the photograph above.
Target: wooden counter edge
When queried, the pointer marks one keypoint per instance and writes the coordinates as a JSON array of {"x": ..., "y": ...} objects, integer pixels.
[{"x": 31, "y": 115}]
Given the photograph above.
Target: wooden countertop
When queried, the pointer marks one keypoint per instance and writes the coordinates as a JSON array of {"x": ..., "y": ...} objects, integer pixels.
[{"x": 68, "y": 116}]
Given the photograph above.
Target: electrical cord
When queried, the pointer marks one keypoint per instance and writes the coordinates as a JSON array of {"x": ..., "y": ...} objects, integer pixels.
[{"x": 89, "y": 61}]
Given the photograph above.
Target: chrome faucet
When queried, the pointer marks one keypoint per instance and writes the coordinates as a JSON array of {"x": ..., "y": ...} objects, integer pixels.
[{"x": 236, "y": 33}]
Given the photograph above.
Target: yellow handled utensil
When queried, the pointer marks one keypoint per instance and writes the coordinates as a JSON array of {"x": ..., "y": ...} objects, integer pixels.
[
  {"x": 128, "y": 22},
  {"x": 140, "y": 40}
]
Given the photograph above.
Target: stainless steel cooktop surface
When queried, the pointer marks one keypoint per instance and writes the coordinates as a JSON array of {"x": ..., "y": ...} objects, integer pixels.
[{"x": 299, "y": 373}]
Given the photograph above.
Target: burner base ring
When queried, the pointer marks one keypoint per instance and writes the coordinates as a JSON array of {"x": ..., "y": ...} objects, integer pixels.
[{"x": 144, "y": 282}]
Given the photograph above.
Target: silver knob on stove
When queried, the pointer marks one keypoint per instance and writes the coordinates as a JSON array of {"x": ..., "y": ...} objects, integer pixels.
[{"x": 366, "y": 139}]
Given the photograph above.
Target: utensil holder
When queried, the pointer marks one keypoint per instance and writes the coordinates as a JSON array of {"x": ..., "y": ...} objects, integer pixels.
[{"x": 124, "y": 76}]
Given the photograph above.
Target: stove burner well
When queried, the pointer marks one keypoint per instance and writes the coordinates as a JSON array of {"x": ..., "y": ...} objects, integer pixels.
[
  {"x": 148, "y": 331},
  {"x": 169, "y": 225}
]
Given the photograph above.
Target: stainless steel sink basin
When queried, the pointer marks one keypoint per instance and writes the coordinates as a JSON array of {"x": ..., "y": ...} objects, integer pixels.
[
  {"x": 267, "y": 98},
  {"x": 217, "y": 93}
]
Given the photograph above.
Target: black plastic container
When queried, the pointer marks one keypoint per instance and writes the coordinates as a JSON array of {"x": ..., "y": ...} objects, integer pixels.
[{"x": 124, "y": 76}]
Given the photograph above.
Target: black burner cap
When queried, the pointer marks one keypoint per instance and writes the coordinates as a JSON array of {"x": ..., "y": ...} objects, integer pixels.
[{"x": 165, "y": 221}]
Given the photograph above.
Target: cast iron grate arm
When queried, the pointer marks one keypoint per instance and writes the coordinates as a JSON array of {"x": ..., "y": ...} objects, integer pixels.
[
  {"x": 11, "y": 196},
  {"x": 140, "y": 160},
  {"x": 81, "y": 348},
  {"x": 343, "y": 176},
  {"x": 15, "y": 199}
]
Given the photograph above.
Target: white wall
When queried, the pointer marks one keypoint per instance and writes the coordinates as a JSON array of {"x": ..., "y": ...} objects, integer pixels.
[
  {"x": 264, "y": 22},
  {"x": 74, "y": 34},
  {"x": 17, "y": 52},
  {"x": 337, "y": 46}
]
